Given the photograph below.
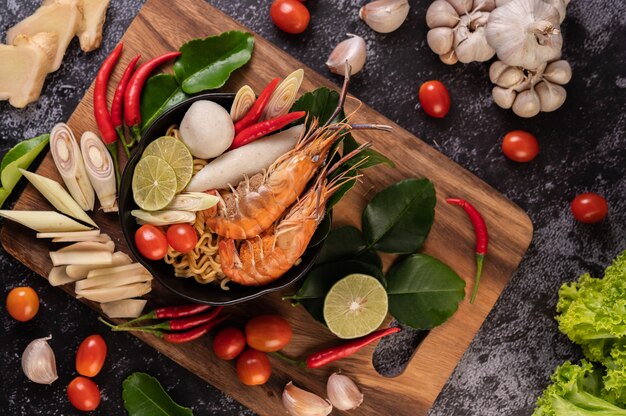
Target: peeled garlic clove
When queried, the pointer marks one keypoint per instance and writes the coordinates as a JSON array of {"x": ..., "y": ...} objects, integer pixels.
[
  {"x": 503, "y": 97},
  {"x": 343, "y": 393},
  {"x": 462, "y": 6},
  {"x": 299, "y": 402},
  {"x": 441, "y": 13},
  {"x": 39, "y": 363},
  {"x": 385, "y": 16},
  {"x": 440, "y": 39},
  {"x": 352, "y": 50},
  {"x": 449, "y": 58},
  {"x": 527, "y": 104},
  {"x": 559, "y": 72},
  {"x": 551, "y": 96}
]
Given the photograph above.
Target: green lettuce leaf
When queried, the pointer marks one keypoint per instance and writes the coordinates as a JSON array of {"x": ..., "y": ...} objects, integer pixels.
[
  {"x": 20, "y": 156},
  {"x": 160, "y": 92},
  {"x": 144, "y": 396}
]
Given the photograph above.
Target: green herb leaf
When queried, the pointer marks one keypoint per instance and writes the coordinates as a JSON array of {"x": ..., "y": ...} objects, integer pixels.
[
  {"x": 20, "y": 156},
  {"x": 144, "y": 396},
  {"x": 423, "y": 292},
  {"x": 321, "y": 232},
  {"x": 398, "y": 219},
  {"x": 206, "y": 64},
  {"x": 348, "y": 243},
  {"x": 160, "y": 93},
  {"x": 319, "y": 103}
]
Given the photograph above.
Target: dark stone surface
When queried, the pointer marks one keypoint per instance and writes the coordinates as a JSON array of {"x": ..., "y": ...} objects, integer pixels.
[{"x": 582, "y": 149}]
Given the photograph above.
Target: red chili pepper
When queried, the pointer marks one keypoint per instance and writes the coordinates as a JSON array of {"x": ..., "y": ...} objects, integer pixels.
[
  {"x": 482, "y": 238},
  {"x": 176, "y": 324},
  {"x": 132, "y": 95},
  {"x": 253, "y": 115},
  {"x": 118, "y": 102},
  {"x": 100, "y": 109},
  {"x": 170, "y": 312},
  {"x": 197, "y": 332},
  {"x": 258, "y": 130}
]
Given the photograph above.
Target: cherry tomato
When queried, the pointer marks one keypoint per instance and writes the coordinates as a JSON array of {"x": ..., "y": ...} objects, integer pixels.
[
  {"x": 268, "y": 333},
  {"x": 22, "y": 303},
  {"x": 290, "y": 16},
  {"x": 520, "y": 146},
  {"x": 182, "y": 237},
  {"x": 589, "y": 208},
  {"x": 253, "y": 367},
  {"x": 228, "y": 343},
  {"x": 90, "y": 356},
  {"x": 84, "y": 394},
  {"x": 151, "y": 242},
  {"x": 434, "y": 99}
]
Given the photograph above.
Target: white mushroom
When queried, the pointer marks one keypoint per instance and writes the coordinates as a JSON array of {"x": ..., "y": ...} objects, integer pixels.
[{"x": 207, "y": 129}]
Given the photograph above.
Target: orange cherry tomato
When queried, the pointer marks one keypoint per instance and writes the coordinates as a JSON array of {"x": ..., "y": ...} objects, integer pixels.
[
  {"x": 182, "y": 237},
  {"x": 268, "y": 333},
  {"x": 84, "y": 394},
  {"x": 151, "y": 242},
  {"x": 434, "y": 99},
  {"x": 290, "y": 16},
  {"x": 228, "y": 343},
  {"x": 520, "y": 146},
  {"x": 90, "y": 356},
  {"x": 22, "y": 303},
  {"x": 589, "y": 208},
  {"x": 253, "y": 367}
]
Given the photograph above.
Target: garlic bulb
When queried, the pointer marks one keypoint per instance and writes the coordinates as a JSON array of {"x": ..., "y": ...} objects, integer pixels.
[
  {"x": 457, "y": 30},
  {"x": 560, "y": 5},
  {"x": 352, "y": 50},
  {"x": 385, "y": 16},
  {"x": 300, "y": 402},
  {"x": 39, "y": 363},
  {"x": 525, "y": 33},
  {"x": 343, "y": 393}
]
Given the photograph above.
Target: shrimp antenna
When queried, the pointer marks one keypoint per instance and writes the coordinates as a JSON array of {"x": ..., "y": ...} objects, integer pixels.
[
  {"x": 349, "y": 156},
  {"x": 342, "y": 95}
]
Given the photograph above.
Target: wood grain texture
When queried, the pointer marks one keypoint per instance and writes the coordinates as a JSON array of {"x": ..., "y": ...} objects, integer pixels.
[{"x": 162, "y": 26}]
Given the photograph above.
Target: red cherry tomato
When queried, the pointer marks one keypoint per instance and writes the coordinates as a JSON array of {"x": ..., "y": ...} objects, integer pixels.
[
  {"x": 151, "y": 242},
  {"x": 590, "y": 208},
  {"x": 228, "y": 343},
  {"x": 22, "y": 303},
  {"x": 520, "y": 146},
  {"x": 90, "y": 356},
  {"x": 290, "y": 16},
  {"x": 253, "y": 367},
  {"x": 182, "y": 237},
  {"x": 434, "y": 99},
  {"x": 268, "y": 333},
  {"x": 84, "y": 394}
]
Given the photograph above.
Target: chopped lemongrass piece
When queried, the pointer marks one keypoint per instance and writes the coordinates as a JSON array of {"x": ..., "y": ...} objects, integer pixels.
[
  {"x": 102, "y": 238},
  {"x": 284, "y": 96},
  {"x": 58, "y": 196},
  {"x": 112, "y": 294},
  {"x": 126, "y": 308},
  {"x": 89, "y": 246},
  {"x": 112, "y": 281},
  {"x": 163, "y": 217},
  {"x": 62, "y": 258},
  {"x": 72, "y": 234},
  {"x": 242, "y": 103},
  {"x": 69, "y": 163},
  {"x": 192, "y": 201},
  {"x": 44, "y": 221},
  {"x": 58, "y": 276},
  {"x": 79, "y": 271},
  {"x": 133, "y": 268},
  {"x": 100, "y": 170}
]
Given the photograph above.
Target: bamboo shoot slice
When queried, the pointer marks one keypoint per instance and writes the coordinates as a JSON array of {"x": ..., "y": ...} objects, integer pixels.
[
  {"x": 100, "y": 170},
  {"x": 44, "y": 221},
  {"x": 89, "y": 246},
  {"x": 126, "y": 308},
  {"x": 72, "y": 234},
  {"x": 79, "y": 271},
  {"x": 113, "y": 281},
  {"x": 102, "y": 238},
  {"x": 57, "y": 196},
  {"x": 58, "y": 276},
  {"x": 63, "y": 258},
  {"x": 133, "y": 268},
  {"x": 104, "y": 295}
]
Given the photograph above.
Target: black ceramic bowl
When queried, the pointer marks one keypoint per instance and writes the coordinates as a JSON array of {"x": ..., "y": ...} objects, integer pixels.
[{"x": 189, "y": 288}]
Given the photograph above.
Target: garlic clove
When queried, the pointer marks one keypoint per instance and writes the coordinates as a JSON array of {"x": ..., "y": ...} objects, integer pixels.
[
  {"x": 441, "y": 13},
  {"x": 472, "y": 46},
  {"x": 510, "y": 77},
  {"x": 299, "y": 402},
  {"x": 352, "y": 50},
  {"x": 503, "y": 97},
  {"x": 343, "y": 393},
  {"x": 527, "y": 104},
  {"x": 496, "y": 69},
  {"x": 551, "y": 96},
  {"x": 440, "y": 39},
  {"x": 449, "y": 58},
  {"x": 385, "y": 16},
  {"x": 559, "y": 72},
  {"x": 462, "y": 7},
  {"x": 38, "y": 362},
  {"x": 485, "y": 5}
]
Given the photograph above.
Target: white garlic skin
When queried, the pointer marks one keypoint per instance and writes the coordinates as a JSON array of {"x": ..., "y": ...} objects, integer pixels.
[
  {"x": 385, "y": 16},
  {"x": 559, "y": 72},
  {"x": 551, "y": 96},
  {"x": 299, "y": 402},
  {"x": 470, "y": 43},
  {"x": 503, "y": 97},
  {"x": 343, "y": 393},
  {"x": 38, "y": 362},
  {"x": 527, "y": 104},
  {"x": 441, "y": 14},
  {"x": 352, "y": 50},
  {"x": 560, "y": 5},
  {"x": 440, "y": 40}
]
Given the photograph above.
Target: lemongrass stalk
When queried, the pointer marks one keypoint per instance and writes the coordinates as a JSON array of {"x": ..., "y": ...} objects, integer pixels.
[
  {"x": 102, "y": 238},
  {"x": 159, "y": 218},
  {"x": 44, "y": 221},
  {"x": 80, "y": 271},
  {"x": 62, "y": 258},
  {"x": 113, "y": 281},
  {"x": 284, "y": 96},
  {"x": 241, "y": 104},
  {"x": 126, "y": 308},
  {"x": 90, "y": 246},
  {"x": 70, "y": 234},
  {"x": 104, "y": 295},
  {"x": 192, "y": 201},
  {"x": 100, "y": 169},
  {"x": 58, "y": 276},
  {"x": 133, "y": 268}
]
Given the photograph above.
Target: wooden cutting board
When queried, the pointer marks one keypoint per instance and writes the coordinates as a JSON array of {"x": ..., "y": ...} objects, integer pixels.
[{"x": 164, "y": 25}]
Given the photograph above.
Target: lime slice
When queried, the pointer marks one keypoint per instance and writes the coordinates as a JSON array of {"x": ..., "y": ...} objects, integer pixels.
[
  {"x": 176, "y": 154},
  {"x": 355, "y": 306},
  {"x": 154, "y": 183}
]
